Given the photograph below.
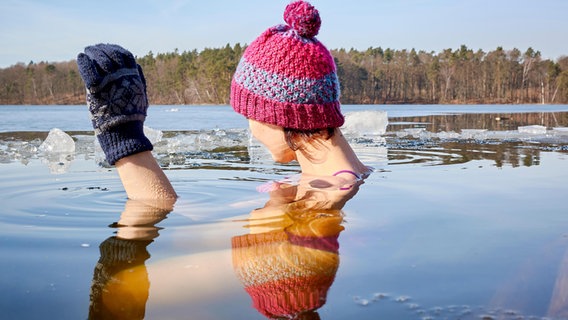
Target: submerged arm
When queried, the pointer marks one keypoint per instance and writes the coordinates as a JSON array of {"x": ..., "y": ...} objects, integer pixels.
[{"x": 143, "y": 179}]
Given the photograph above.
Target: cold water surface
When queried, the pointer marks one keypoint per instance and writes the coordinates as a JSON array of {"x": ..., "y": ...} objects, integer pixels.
[{"x": 463, "y": 218}]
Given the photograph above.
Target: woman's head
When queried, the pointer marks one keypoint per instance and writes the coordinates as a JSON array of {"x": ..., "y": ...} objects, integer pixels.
[
  {"x": 283, "y": 143},
  {"x": 287, "y": 78}
]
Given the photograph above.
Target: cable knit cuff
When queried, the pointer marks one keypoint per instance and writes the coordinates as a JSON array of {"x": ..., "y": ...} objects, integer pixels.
[{"x": 124, "y": 140}]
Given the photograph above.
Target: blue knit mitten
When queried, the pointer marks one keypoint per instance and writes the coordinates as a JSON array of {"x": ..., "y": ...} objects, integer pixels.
[{"x": 116, "y": 95}]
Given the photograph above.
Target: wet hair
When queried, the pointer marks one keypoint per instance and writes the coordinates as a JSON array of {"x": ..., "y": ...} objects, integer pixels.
[{"x": 296, "y": 138}]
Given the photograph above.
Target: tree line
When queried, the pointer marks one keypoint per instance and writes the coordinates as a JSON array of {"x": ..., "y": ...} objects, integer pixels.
[{"x": 372, "y": 76}]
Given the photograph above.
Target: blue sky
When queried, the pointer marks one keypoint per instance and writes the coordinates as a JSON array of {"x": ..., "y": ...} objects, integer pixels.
[{"x": 56, "y": 30}]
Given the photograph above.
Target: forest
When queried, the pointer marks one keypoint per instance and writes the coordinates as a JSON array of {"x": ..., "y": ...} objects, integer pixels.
[{"x": 372, "y": 76}]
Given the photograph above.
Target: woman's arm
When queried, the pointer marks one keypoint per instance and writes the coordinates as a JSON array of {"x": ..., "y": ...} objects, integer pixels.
[{"x": 143, "y": 179}]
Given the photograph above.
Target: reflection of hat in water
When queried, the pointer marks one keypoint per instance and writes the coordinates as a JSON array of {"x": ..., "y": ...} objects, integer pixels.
[{"x": 286, "y": 274}]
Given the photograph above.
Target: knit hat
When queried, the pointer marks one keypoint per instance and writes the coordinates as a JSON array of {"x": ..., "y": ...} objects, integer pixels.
[{"x": 286, "y": 77}]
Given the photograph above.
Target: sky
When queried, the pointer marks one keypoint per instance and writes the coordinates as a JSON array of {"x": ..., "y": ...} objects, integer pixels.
[{"x": 57, "y": 30}]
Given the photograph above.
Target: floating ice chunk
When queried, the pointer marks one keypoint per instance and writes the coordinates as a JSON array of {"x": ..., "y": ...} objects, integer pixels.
[
  {"x": 153, "y": 135},
  {"x": 57, "y": 141},
  {"x": 58, "y": 163},
  {"x": 534, "y": 129},
  {"x": 361, "y": 301},
  {"x": 448, "y": 135},
  {"x": 100, "y": 157},
  {"x": 366, "y": 122},
  {"x": 258, "y": 153},
  {"x": 414, "y": 132},
  {"x": 560, "y": 130},
  {"x": 58, "y": 149},
  {"x": 202, "y": 141},
  {"x": 473, "y": 133},
  {"x": 371, "y": 150},
  {"x": 413, "y": 306},
  {"x": 380, "y": 296}
]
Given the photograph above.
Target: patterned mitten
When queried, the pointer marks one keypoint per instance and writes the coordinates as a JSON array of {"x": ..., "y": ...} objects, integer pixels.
[{"x": 116, "y": 96}]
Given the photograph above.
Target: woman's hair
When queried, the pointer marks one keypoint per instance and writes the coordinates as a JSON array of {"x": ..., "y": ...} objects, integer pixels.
[{"x": 296, "y": 138}]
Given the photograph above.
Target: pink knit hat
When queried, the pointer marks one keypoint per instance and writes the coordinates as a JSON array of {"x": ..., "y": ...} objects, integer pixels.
[{"x": 286, "y": 77}]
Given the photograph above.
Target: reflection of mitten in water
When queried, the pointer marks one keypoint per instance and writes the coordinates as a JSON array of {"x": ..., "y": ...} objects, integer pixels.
[
  {"x": 287, "y": 274},
  {"x": 120, "y": 282}
]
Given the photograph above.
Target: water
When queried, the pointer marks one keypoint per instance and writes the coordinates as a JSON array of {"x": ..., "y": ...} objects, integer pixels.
[{"x": 463, "y": 218}]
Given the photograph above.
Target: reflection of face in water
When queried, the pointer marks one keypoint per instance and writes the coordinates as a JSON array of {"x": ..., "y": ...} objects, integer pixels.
[
  {"x": 120, "y": 285},
  {"x": 288, "y": 261}
]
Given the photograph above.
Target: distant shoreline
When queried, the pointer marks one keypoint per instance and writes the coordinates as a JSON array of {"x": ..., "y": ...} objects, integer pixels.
[
  {"x": 344, "y": 104},
  {"x": 372, "y": 76}
]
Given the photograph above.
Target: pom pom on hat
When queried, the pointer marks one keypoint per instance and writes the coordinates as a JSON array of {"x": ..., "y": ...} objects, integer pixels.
[{"x": 303, "y": 17}]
